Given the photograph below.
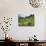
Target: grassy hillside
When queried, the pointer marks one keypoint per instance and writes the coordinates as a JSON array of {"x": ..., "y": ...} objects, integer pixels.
[{"x": 26, "y": 21}]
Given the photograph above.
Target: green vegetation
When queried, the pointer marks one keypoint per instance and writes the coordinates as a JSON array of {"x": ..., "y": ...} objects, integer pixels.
[{"x": 26, "y": 21}]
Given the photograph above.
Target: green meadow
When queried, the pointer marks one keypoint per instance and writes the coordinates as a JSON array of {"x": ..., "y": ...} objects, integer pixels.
[{"x": 26, "y": 21}]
